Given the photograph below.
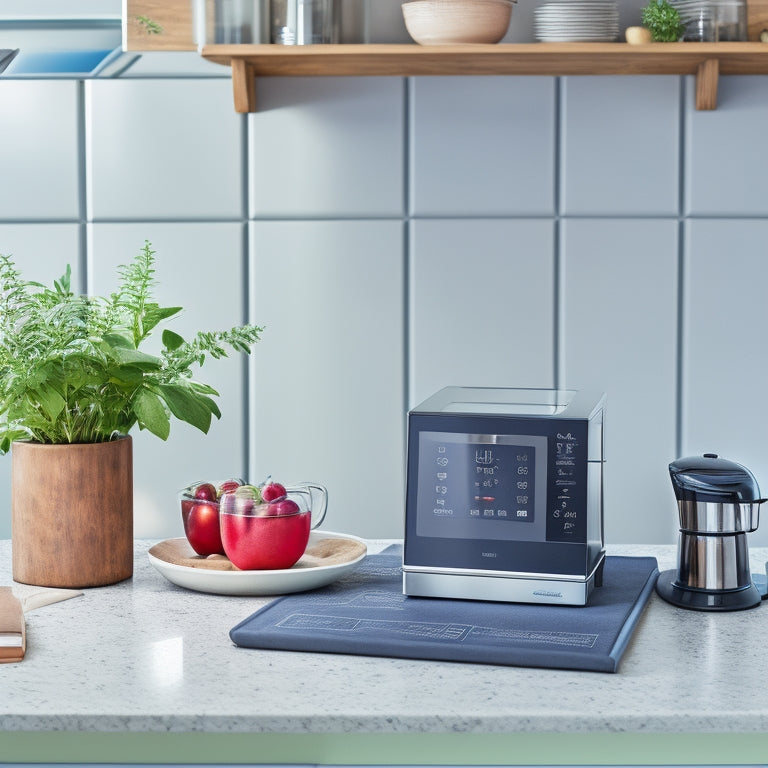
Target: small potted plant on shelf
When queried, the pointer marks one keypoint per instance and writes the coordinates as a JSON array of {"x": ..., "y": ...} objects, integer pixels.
[
  {"x": 663, "y": 21},
  {"x": 74, "y": 381}
]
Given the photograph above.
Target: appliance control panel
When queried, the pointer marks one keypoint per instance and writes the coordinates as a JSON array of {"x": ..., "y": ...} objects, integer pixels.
[
  {"x": 511, "y": 486},
  {"x": 566, "y": 518},
  {"x": 483, "y": 486}
]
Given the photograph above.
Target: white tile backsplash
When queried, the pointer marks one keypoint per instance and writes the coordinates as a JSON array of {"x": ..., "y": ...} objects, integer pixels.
[
  {"x": 725, "y": 165},
  {"x": 327, "y": 147},
  {"x": 328, "y": 379},
  {"x": 481, "y": 304},
  {"x": 619, "y": 318},
  {"x": 163, "y": 149},
  {"x": 395, "y": 237},
  {"x": 39, "y": 150},
  {"x": 620, "y": 158},
  {"x": 502, "y": 165}
]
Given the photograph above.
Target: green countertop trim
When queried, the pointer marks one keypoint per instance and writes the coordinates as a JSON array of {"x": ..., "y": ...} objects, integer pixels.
[{"x": 386, "y": 749}]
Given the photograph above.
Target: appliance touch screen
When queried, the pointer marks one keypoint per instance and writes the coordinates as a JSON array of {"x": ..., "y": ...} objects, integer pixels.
[{"x": 482, "y": 486}]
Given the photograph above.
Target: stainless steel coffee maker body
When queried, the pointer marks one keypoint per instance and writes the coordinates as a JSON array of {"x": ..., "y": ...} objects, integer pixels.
[{"x": 718, "y": 504}]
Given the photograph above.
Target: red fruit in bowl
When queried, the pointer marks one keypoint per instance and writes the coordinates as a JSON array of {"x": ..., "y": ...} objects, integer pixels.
[
  {"x": 205, "y": 492},
  {"x": 201, "y": 526},
  {"x": 282, "y": 508},
  {"x": 228, "y": 502},
  {"x": 228, "y": 486},
  {"x": 272, "y": 491},
  {"x": 247, "y": 497}
]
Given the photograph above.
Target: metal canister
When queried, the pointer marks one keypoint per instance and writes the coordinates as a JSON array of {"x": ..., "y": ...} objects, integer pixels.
[{"x": 305, "y": 22}]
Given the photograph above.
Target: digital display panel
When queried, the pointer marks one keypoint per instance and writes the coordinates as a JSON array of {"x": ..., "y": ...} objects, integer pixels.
[{"x": 482, "y": 486}]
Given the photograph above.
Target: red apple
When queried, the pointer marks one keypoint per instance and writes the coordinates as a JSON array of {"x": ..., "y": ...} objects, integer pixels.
[
  {"x": 201, "y": 526},
  {"x": 272, "y": 491},
  {"x": 205, "y": 492}
]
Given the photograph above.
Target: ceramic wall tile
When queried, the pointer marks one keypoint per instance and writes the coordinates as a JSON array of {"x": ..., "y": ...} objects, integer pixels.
[
  {"x": 481, "y": 306},
  {"x": 619, "y": 334},
  {"x": 327, "y": 400},
  {"x": 163, "y": 149},
  {"x": 200, "y": 267},
  {"x": 327, "y": 147},
  {"x": 39, "y": 150},
  {"x": 724, "y": 367},
  {"x": 725, "y": 169},
  {"x": 41, "y": 252},
  {"x": 476, "y": 150},
  {"x": 620, "y": 139}
]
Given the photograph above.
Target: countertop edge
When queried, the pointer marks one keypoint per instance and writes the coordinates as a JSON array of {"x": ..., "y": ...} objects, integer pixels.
[{"x": 387, "y": 749}]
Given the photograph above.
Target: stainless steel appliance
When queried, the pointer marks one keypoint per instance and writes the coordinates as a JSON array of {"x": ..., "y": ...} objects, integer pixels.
[
  {"x": 718, "y": 503},
  {"x": 505, "y": 495}
]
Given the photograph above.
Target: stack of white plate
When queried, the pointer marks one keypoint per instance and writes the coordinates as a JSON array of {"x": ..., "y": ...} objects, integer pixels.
[{"x": 561, "y": 21}]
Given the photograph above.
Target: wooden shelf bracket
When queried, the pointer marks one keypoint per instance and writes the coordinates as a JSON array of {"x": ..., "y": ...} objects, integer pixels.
[
  {"x": 706, "y": 84},
  {"x": 244, "y": 85}
]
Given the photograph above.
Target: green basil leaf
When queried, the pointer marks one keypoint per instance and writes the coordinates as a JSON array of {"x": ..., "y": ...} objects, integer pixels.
[
  {"x": 153, "y": 314},
  {"x": 134, "y": 357},
  {"x": 50, "y": 400},
  {"x": 126, "y": 374},
  {"x": 186, "y": 405},
  {"x": 118, "y": 340},
  {"x": 172, "y": 340},
  {"x": 151, "y": 414}
]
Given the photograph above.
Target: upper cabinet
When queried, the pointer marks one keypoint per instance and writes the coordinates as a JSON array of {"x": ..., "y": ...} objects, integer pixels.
[{"x": 167, "y": 25}]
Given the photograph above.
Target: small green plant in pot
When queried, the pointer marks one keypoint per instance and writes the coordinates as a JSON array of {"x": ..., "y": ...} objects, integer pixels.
[
  {"x": 74, "y": 381},
  {"x": 663, "y": 21}
]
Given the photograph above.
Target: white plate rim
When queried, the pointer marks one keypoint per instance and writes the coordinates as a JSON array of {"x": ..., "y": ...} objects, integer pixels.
[{"x": 226, "y": 581}]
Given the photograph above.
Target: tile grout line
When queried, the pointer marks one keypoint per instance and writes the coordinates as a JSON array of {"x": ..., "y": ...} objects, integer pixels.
[
  {"x": 681, "y": 270},
  {"x": 407, "y": 178},
  {"x": 559, "y": 310},
  {"x": 84, "y": 191},
  {"x": 248, "y": 369}
]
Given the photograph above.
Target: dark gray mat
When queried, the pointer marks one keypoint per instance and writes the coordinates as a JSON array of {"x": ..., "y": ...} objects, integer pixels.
[{"x": 365, "y": 613}]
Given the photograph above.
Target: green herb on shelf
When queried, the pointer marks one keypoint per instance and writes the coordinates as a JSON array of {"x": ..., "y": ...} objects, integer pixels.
[
  {"x": 151, "y": 26},
  {"x": 71, "y": 367},
  {"x": 663, "y": 21}
]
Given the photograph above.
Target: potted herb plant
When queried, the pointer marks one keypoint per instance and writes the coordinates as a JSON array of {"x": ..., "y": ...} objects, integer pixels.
[
  {"x": 74, "y": 381},
  {"x": 663, "y": 21}
]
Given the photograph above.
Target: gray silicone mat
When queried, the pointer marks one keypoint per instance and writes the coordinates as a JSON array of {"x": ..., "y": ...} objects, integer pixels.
[{"x": 366, "y": 613}]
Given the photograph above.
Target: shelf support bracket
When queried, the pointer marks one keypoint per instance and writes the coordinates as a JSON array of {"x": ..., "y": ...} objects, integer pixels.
[
  {"x": 244, "y": 86},
  {"x": 706, "y": 84}
]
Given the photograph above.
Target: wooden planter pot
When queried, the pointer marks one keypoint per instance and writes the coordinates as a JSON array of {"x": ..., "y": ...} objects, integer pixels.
[{"x": 72, "y": 513}]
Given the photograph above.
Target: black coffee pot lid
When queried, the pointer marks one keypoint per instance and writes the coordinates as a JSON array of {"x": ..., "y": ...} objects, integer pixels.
[{"x": 710, "y": 478}]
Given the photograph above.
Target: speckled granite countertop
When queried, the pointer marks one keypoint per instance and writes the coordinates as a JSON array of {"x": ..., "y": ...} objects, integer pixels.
[{"x": 146, "y": 656}]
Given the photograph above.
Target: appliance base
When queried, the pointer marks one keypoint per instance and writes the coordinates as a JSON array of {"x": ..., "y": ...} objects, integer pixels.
[
  {"x": 704, "y": 599},
  {"x": 505, "y": 589}
]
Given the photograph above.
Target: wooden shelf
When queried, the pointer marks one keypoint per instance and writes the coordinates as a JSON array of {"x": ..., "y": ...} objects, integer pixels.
[{"x": 705, "y": 60}]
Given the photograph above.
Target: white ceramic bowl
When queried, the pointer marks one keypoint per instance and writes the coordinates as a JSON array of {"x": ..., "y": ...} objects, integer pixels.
[{"x": 446, "y": 22}]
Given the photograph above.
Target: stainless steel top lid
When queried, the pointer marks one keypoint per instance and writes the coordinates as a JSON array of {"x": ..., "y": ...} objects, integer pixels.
[{"x": 709, "y": 478}]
